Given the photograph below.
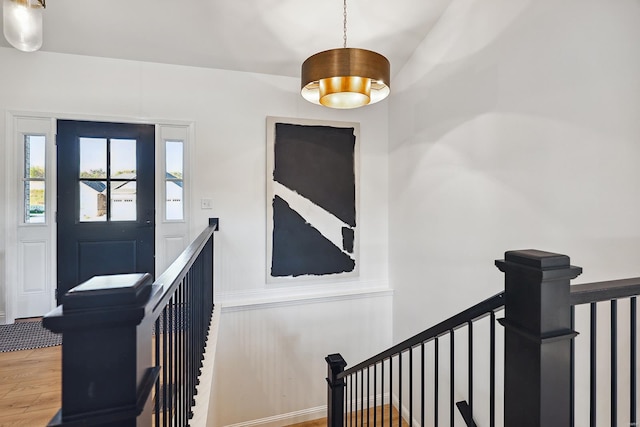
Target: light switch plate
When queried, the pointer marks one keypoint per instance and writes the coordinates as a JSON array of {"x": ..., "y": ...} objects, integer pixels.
[{"x": 206, "y": 204}]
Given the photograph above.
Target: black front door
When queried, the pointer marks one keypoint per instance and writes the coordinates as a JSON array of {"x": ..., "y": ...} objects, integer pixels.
[{"x": 106, "y": 202}]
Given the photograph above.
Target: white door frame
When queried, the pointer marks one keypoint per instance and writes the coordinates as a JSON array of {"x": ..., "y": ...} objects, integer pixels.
[{"x": 171, "y": 236}]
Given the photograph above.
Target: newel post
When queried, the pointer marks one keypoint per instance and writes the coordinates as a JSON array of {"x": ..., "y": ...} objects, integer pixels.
[
  {"x": 106, "y": 352},
  {"x": 335, "y": 390},
  {"x": 538, "y": 335}
]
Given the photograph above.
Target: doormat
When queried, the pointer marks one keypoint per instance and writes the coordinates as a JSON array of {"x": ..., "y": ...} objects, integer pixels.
[{"x": 26, "y": 336}]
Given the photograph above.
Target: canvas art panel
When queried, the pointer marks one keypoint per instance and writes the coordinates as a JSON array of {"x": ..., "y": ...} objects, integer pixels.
[{"x": 312, "y": 199}]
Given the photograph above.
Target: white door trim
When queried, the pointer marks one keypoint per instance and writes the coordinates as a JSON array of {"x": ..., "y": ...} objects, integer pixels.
[{"x": 165, "y": 230}]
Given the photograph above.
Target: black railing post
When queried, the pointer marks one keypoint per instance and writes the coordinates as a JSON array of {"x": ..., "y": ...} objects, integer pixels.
[
  {"x": 335, "y": 390},
  {"x": 537, "y": 338},
  {"x": 106, "y": 352}
]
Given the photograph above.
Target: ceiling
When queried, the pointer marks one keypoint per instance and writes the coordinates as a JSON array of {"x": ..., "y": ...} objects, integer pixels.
[{"x": 264, "y": 36}]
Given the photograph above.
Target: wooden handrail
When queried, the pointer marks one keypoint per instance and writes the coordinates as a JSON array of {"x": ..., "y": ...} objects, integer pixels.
[
  {"x": 457, "y": 321},
  {"x": 604, "y": 291},
  {"x": 165, "y": 285}
]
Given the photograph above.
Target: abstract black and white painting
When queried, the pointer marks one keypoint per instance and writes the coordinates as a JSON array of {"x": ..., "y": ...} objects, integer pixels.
[{"x": 312, "y": 199}]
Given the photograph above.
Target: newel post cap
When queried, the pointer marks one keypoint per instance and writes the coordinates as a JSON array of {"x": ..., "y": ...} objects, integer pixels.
[{"x": 102, "y": 301}]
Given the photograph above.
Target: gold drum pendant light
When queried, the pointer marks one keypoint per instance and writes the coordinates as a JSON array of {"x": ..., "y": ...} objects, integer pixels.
[{"x": 346, "y": 77}]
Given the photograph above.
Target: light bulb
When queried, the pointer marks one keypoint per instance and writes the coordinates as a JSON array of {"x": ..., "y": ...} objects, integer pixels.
[
  {"x": 345, "y": 92},
  {"x": 22, "y": 23}
]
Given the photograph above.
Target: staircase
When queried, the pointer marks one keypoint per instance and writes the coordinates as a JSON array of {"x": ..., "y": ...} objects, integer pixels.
[{"x": 519, "y": 370}]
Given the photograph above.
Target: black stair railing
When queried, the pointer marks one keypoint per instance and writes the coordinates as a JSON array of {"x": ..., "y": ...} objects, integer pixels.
[
  {"x": 539, "y": 358},
  {"x": 599, "y": 297},
  {"x": 133, "y": 348},
  {"x": 375, "y": 383}
]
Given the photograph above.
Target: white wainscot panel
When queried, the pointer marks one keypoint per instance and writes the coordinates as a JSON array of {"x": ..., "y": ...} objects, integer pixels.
[
  {"x": 173, "y": 246},
  {"x": 33, "y": 260},
  {"x": 33, "y": 289}
]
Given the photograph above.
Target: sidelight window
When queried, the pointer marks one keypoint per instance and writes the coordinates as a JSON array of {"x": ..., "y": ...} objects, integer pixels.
[
  {"x": 34, "y": 179},
  {"x": 174, "y": 180}
]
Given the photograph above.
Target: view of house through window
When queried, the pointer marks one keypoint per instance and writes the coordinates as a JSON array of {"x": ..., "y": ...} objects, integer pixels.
[
  {"x": 34, "y": 178},
  {"x": 107, "y": 179},
  {"x": 174, "y": 180}
]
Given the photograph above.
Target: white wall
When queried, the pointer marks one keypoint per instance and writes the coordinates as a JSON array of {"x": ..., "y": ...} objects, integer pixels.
[
  {"x": 516, "y": 124},
  {"x": 268, "y": 363},
  {"x": 229, "y": 111}
]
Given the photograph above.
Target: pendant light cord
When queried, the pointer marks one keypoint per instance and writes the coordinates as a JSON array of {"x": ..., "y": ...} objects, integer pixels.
[{"x": 344, "y": 37}]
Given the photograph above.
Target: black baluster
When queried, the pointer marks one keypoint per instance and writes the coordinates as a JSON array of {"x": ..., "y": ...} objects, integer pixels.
[
  {"x": 572, "y": 397},
  {"x": 614, "y": 363},
  {"x": 158, "y": 363},
  {"x": 362, "y": 398},
  {"x": 180, "y": 337},
  {"x": 410, "y": 386},
  {"x": 351, "y": 398},
  {"x": 368, "y": 394},
  {"x": 355, "y": 400},
  {"x": 391, "y": 391},
  {"x": 190, "y": 344},
  {"x": 170, "y": 384},
  {"x": 452, "y": 377},
  {"x": 422, "y": 369},
  {"x": 181, "y": 402},
  {"x": 382, "y": 391},
  {"x": 346, "y": 404},
  {"x": 633, "y": 361},
  {"x": 185, "y": 352},
  {"x": 400, "y": 389},
  {"x": 165, "y": 366},
  {"x": 592, "y": 381},
  {"x": 176, "y": 363},
  {"x": 201, "y": 303},
  {"x": 435, "y": 386},
  {"x": 492, "y": 370},
  {"x": 470, "y": 361},
  {"x": 375, "y": 395},
  {"x": 197, "y": 349}
]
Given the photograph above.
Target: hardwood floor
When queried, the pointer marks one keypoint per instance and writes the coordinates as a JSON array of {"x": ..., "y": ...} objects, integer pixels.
[
  {"x": 30, "y": 386},
  {"x": 30, "y": 390},
  {"x": 355, "y": 420}
]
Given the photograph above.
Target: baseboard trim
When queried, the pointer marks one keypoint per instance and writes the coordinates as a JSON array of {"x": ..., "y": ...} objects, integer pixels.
[
  {"x": 305, "y": 414},
  {"x": 3, "y": 318},
  {"x": 405, "y": 412},
  {"x": 286, "y": 419}
]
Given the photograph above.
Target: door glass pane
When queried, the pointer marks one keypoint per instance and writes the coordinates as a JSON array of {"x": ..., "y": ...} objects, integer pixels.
[
  {"x": 93, "y": 201},
  {"x": 34, "y": 202},
  {"x": 174, "y": 158},
  {"x": 34, "y": 148},
  {"x": 123, "y": 158},
  {"x": 123, "y": 201},
  {"x": 93, "y": 158},
  {"x": 174, "y": 200}
]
